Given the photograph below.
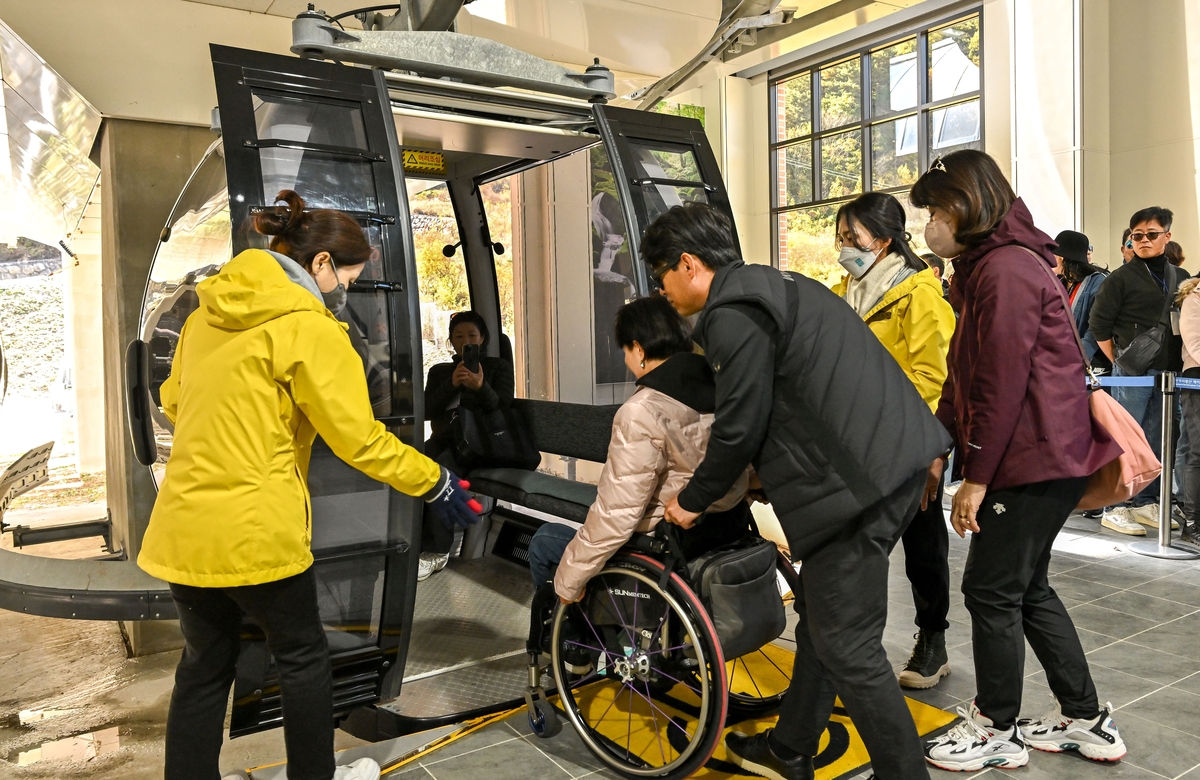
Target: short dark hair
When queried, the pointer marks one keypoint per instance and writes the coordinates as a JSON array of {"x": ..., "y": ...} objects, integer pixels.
[
  {"x": 468, "y": 318},
  {"x": 1125, "y": 235},
  {"x": 1174, "y": 253},
  {"x": 933, "y": 261},
  {"x": 655, "y": 325},
  {"x": 971, "y": 188},
  {"x": 695, "y": 228},
  {"x": 883, "y": 217},
  {"x": 1164, "y": 217}
]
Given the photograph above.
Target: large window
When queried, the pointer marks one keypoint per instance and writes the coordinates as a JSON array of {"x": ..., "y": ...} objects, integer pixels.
[{"x": 873, "y": 120}]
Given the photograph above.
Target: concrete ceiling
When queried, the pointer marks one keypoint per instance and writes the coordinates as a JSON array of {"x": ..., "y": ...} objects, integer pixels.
[{"x": 149, "y": 59}]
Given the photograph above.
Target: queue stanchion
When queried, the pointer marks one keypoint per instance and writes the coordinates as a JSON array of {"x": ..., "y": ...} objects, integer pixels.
[{"x": 1162, "y": 547}]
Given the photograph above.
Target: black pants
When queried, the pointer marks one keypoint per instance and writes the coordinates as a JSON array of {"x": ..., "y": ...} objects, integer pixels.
[
  {"x": 1010, "y": 600},
  {"x": 839, "y": 643},
  {"x": 927, "y": 565},
  {"x": 211, "y": 621}
]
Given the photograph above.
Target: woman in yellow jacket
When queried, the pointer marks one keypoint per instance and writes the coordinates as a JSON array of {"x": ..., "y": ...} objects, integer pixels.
[
  {"x": 261, "y": 368},
  {"x": 900, "y": 299}
]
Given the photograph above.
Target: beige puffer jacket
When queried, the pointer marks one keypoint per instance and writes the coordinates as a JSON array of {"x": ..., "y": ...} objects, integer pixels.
[{"x": 657, "y": 443}]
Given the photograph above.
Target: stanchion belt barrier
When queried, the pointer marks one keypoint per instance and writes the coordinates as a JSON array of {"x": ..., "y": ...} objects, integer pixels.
[{"x": 1166, "y": 383}]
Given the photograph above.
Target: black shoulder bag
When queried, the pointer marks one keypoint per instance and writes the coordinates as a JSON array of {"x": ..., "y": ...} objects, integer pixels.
[{"x": 496, "y": 439}]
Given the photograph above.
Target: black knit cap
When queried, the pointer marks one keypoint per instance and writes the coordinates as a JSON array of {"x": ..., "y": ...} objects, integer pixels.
[{"x": 1072, "y": 245}]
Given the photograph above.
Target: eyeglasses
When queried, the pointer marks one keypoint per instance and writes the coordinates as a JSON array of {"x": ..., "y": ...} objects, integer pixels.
[
  {"x": 938, "y": 165},
  {"x": 656, "y": 276},
  {"x": 1150, "y": 235}
]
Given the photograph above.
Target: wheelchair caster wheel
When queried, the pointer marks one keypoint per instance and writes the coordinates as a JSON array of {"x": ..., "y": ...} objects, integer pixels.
[{"x": 544, "y": 720}]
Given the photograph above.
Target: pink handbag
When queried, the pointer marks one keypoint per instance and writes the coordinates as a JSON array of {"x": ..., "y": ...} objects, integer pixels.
[{"x": 1125, "y": 476}]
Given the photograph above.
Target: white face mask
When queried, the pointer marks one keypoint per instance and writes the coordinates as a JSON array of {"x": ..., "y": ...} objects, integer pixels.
[
  {"x": 857, "y": 261},
  {"x": 940, "y": 240}
]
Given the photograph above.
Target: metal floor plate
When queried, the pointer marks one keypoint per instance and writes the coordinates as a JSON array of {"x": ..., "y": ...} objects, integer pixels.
[{"x": 468, "y": 638}]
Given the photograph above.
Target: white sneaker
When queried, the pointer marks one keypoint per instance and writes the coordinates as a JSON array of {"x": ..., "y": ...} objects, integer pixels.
[
  {"x": 1148, "y": 515},
  {"x": 973, "y": 745},
  {"x": 362, "y": 769},
  {"x": 430, "y": 563},
  {"x": 1097, "y": 739},
  {"x": 1121, "y": 520}
]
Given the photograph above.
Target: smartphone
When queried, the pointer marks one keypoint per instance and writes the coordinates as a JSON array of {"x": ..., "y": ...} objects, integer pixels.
[{"x": 470, "y": 357}]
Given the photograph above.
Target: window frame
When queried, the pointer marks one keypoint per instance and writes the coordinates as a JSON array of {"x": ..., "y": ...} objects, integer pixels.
[{"x": 921, "y": 112}]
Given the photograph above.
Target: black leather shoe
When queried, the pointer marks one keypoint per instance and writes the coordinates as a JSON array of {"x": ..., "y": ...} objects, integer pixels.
[{"x": 754, "y": 754}]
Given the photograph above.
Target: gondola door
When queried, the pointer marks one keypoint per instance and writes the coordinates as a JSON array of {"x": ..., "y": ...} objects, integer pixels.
[
  {"x": 659, "y": 161},
  {"x": 326, "y": 131}
]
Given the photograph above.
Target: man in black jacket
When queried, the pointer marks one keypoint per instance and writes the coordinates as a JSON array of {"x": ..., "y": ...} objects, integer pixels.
[
  {"x": 1133, "y": 301},
  {"x": 841, "y": 442}
]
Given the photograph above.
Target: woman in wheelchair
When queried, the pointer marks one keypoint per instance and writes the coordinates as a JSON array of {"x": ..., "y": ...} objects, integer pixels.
[{"x": 659, "y": 436}]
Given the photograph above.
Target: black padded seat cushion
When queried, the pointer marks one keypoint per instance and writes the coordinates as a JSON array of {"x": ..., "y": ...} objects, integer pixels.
[{"x": 542, "y": 502}]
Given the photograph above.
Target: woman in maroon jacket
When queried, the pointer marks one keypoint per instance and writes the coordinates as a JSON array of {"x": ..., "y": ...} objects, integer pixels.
[{"x": 1016, "y": 404}]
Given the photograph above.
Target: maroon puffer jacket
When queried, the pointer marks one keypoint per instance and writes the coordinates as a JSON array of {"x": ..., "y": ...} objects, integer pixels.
[{"x": 1015, "y": 400}]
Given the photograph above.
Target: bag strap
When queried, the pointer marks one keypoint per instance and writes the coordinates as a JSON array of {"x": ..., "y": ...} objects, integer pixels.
[
  {"x": 1165, "y": 319},
  {"x": 1057, "y": 285}
]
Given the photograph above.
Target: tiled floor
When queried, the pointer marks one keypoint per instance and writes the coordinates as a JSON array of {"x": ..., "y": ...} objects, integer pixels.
[{"x": 1138, "y": 618}]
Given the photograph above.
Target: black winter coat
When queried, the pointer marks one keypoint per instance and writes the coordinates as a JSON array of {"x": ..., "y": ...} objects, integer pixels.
[
  {"x": 829, "y": 420},
  {"x": 442, "y": 397}
]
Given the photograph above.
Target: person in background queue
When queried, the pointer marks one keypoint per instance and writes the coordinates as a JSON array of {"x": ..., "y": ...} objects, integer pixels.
[
  {"x": 900, "y": 299},
  {"x": 262, "y": 368},
  {"x": 841, "y": 448},
  {"x": 1082, "y": 280},
  {"x": 1016, "y": 404},
  {"x": 938, "y": 265},
  {"x": 1132, "y": 302}
]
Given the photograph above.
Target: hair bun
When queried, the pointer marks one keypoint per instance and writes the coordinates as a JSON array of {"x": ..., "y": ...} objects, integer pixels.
[{"x": 282, "y": 220}]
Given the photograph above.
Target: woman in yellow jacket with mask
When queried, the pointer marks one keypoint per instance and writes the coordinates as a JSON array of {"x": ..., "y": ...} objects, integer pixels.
[
  {"x": 261, "y": 368},
  {"x": 900, "y": 299}
]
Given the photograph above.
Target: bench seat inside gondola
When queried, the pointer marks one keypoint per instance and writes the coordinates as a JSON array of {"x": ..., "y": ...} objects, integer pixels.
[{"x": 568, "y": 430}]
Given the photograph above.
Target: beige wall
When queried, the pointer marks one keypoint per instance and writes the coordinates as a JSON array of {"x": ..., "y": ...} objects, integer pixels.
[
  {"x": 145, "y": 59},
  {"x": 1154, "y": 114}
]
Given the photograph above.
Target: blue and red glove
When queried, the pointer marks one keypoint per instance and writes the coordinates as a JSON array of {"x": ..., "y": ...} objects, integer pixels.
[{"x": 450, "y": 501}]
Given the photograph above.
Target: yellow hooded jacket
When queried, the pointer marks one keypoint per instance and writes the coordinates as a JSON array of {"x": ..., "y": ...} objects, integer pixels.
[
  {"x": 261, "y": 368},
  {"x": 914, "y": 323}
]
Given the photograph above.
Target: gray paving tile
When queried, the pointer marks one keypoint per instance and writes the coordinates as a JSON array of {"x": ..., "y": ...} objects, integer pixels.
[
  {"x": 1114, "y": 576},
  {"x": 1143, "y": 563},
  {"x": 1072, "y": 766},
  {"x": 1170, "y": 707},
  {"x": 1068, "y": 586},
  {"x": 1191, "y": 683},
  {"x": 1112, "y": 685},
  {"x": 1178, "y": 637},
  {"x": 1107, "y": 622},
  {"x": 1155, "y": 747},
  {"x": 414, "y": 771},
  {"x": 568, "y": 752},
  {"x": 512, "y": 760},
  {"x": 486, "y": 737},
  {"x": 1153, "y": 608},
  {"x": 1154, "y": 665},
  {"x": 1174, "y": 590}
]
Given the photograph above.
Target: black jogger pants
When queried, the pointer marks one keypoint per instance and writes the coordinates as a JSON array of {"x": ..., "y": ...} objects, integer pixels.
[
  {"x": 211, "y": 621},
  {"x": 842, "y": 606}
]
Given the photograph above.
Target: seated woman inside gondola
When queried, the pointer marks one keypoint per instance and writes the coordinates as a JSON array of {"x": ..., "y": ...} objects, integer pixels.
[{"x": 658, "y": 439}]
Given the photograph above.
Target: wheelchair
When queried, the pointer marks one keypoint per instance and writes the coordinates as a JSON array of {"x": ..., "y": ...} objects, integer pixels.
[{"x": 639, "y": 667}]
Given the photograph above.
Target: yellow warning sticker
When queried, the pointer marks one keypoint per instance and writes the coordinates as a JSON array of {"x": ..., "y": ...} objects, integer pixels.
[{"x": 419, "y": 161}]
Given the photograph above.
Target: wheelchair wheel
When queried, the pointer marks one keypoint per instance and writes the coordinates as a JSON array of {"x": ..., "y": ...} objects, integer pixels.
[
  {"x": 654, "y": 700},
  {"x": 758, "y": 680}
]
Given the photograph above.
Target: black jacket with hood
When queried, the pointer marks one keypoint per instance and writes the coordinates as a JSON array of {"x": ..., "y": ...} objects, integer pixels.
[{"x": 827, "y": 417}]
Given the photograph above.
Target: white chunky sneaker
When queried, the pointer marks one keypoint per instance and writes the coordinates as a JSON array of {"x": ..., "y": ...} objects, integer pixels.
[
  {"x": 1121, "y": 520},
  {"x": 430, "y": 563},
  {"x": 1097, "y": 739},
  {"x": 1148, "y": 516},
  {"x": 362, "y": 769},
  {"x": 974, "y": 745}
]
